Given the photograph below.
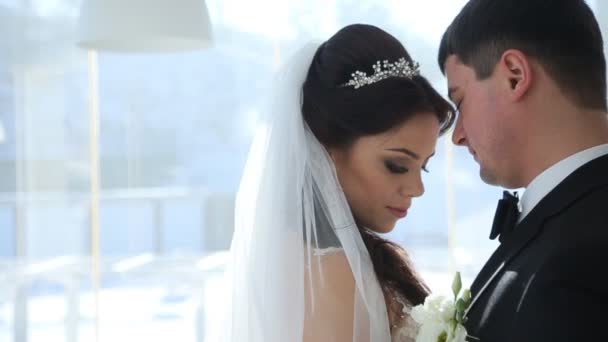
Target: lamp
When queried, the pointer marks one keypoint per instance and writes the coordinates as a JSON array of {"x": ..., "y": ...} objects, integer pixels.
[
  {"x": 2, "y": 133},
  {"x": 130, "y": 26},
  {"x": 144, "y": 25}
]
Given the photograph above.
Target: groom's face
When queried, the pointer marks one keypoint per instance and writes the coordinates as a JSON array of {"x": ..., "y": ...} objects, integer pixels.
[{"x": 480, "y": 125}]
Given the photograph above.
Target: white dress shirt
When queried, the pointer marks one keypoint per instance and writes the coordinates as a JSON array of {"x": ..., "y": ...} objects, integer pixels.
[{"x": 551, "y": 177}]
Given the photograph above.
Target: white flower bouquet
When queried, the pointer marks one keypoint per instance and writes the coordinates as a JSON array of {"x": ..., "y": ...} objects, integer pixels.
[{"x": 442, "y": 319}]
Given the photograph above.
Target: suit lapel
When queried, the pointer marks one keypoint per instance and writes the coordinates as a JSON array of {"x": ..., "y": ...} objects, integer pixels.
[
  {"x": 581, "y": 182},
  {"x": 524, "y": 233}
]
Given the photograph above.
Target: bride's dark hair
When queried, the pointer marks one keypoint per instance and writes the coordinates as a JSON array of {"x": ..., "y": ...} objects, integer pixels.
[{"x": 340, "y": 115}]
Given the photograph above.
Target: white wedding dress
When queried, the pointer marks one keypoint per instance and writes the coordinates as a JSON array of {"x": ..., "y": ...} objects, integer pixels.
[
  {"x": 299, "y": 269},
  {"x": 403, "y": 326}
]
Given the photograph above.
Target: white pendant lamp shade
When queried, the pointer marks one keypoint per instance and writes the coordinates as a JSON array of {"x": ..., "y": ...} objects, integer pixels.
[
  {"x": 2, "y": 133},
  {"x": 144, "y": 25}
]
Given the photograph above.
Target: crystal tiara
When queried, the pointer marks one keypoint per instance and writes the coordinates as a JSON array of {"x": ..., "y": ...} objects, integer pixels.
[{"x": 383, "y": 70}]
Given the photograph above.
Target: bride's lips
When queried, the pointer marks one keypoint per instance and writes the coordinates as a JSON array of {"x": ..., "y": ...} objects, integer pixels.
[{"x": 398, "y": 212}]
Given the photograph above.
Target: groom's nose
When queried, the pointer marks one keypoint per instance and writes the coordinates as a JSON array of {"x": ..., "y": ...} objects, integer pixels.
[{"x": 459, "y": 136}]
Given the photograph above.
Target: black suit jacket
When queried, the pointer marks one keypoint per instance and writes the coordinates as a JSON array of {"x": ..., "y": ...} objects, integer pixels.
[{"x": 548, "y": 280}]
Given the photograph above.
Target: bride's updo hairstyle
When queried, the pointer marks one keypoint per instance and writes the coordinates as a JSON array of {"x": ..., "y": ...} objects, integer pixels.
[{"x": 338, "y": 113}]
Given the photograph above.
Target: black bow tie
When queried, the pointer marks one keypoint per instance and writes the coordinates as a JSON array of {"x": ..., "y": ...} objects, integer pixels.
[{"x": 506, "y": 216}]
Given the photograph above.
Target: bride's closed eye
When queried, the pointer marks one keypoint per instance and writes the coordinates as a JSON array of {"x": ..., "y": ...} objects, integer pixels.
[{"x": 393, "y": 167}]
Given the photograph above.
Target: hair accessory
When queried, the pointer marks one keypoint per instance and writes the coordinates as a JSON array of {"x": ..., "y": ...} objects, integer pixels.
[{"x": 384, "y": 70}]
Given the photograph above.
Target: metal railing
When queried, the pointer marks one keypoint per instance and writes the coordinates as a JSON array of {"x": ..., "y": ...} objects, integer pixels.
[
  {"x": 23, "y": 205},
  {"x": 16, "y": 276},
  {"x": 18, "y": 273}
]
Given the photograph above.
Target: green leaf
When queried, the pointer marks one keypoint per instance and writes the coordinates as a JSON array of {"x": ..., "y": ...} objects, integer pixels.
[
  {"x": 443, "y": 337},
  {"x": 461, "y": 305},
  {"x": 453, "y": 324},
  {"x": 466, "y": 297},
  {"x": 460, "y": 316},
  {"x": 457, "y": 284}
]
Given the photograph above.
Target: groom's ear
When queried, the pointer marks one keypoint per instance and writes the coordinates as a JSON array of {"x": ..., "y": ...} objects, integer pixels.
[{"x": 517, "y": 73}]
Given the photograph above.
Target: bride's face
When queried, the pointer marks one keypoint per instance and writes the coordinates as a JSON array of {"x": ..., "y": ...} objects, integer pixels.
[{"x": 381, "y": 174}]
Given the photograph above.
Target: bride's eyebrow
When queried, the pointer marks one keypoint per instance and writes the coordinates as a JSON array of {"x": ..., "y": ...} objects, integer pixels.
[
  {"x": 409, "y": 153},
  {"x": 405, "y": 151}
]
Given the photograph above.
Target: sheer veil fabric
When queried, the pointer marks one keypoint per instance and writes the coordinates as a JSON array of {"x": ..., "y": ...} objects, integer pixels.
[{"x": 298, "y": 269}]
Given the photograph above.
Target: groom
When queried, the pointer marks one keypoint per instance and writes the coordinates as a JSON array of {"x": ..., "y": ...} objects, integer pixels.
[{"x": 529, "y": 80}]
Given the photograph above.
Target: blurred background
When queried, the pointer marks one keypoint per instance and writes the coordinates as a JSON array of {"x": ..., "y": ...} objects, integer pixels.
[{"x": 118, "y": 170}]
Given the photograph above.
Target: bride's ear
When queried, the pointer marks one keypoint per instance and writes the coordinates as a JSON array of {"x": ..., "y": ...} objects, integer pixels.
[
  {"x": 331, "y": 153},
  {"x": 334, "y": 154}
]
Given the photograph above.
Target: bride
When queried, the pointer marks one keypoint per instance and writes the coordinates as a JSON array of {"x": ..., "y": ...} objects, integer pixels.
[{"x": 337, "y": 159}]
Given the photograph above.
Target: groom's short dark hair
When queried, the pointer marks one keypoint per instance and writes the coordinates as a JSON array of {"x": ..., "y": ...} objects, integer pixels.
[{"x": 562, "y": 35}]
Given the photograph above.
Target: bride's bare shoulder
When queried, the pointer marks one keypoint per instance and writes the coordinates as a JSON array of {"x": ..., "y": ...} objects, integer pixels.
[
  {"x": 329, "y": 293},
  {"x": 330, "y": 270}
]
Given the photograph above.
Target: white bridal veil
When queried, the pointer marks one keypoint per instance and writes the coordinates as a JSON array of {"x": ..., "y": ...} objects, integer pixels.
[{"x": 299, "y": 269}]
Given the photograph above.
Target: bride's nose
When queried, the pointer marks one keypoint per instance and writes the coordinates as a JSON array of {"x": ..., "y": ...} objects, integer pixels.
[{"x": 412, "y": 186}]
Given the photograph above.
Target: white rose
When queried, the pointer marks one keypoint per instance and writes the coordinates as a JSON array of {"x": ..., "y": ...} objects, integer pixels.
[
  {"x": 435, "y": 317},
  {"x": 436, "y": 309}
]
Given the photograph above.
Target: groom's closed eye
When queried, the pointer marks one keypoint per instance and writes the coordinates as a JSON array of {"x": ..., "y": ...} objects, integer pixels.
[
  {"x": 451, "y": 91},
  {"x": 451, "y": 95}
]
